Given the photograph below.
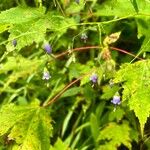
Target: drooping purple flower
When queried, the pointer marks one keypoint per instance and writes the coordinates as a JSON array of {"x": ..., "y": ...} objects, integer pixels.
[
  {"x": 84, "y": 37},
  {"x": 116, "y": 100},
  {"x": 46, "y": 75},
  {"x": 47, "y": 48},
  {"x": 14, "y": 42},
  {"x": 77, "y": 1},
  {"x": 94, "y": 78}
]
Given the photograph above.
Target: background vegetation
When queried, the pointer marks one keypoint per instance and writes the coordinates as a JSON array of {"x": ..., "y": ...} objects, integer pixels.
[{"x": 74, "y": 74}]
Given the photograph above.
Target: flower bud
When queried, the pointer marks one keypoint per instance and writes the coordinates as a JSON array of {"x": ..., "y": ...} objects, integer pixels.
[
  {"x": 94, "y": 78},
  {"x": 14, "y": 42},
  {"x": 47, "y": 48},
  {"x": 116, "y": 100},
  {"x": 46, "y": 75}
]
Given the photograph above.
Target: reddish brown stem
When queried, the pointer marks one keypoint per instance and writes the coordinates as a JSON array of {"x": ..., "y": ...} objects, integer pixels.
[
  {"x": 62, "y": 91},
  {"x": 77, "y": 49},
  {"x": 95, "y": 47},
  {"x": 124, "y": 51},
  {"x": 78, "y": 79}
]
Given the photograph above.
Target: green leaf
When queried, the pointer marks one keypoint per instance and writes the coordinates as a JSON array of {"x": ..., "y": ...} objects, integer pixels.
[
  {"x": 60, "y": 24},
  {"x": 142, "y": 7},
  {"x": 144, "y": 32},
  {"x": 19, "y": 15},
  {"x": 94, "y": 126},
  {"x": 29, "y": 126},
  {"x": 117, "y": 115},
  {"x": 27, "y": 33},
  {"x": 75, "y": 8},
  {"x": 19, "y": 68},
  {"x": 77, "y": 69},
  {"x": 109, "y": 92},
  {"x": 72, "y": 91},
  {"x": 119, "y": 8},
  {"x": 59, "y": 145},
  {"x": 114, "y": 135},
  {"x": 4, "y": 27},
  {"x": 20, "y": 64},
  {"x": 136, "y": 87}
]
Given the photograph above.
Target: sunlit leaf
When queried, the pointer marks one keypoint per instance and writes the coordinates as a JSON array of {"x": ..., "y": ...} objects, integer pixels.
[
  {"x": 136, "y": 86},
  {"x": 29, "y": 126}
]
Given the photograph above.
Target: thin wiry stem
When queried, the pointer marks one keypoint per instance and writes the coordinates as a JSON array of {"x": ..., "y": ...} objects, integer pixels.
[
  {"x": 94, "y": 47},
  {"x": 125, "y": 52},
  {"x": 63, "y": 90}
]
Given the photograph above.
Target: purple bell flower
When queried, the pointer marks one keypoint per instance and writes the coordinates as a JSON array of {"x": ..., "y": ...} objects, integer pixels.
[
  {"x": 46, "y": 75},
  {"x": 116, "y": 100},
  {"x": 47, "y": 48},
  {"x": 14, "y": 42},
  {"x": 94, "y": 78},
  {"x": 84, "y": 37}
]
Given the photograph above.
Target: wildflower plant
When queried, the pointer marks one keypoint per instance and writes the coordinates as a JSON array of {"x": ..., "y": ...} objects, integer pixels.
[{"x": 49, "y": 103}]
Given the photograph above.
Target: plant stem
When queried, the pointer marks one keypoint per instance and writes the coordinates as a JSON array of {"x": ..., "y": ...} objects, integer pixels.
[
  {"x": 94, "y": 47},
  {"x": 61, "y": 92}
]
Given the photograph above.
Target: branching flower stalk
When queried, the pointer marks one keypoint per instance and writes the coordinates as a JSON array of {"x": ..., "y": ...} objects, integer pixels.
[
  {"x": 78, "y": 79},
  {"x": 64, "y": 89}
]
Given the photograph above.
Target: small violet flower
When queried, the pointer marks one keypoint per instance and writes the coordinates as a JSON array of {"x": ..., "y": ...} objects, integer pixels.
[
  {"x": 46, "y": 75},
  {"x": 94, "y": 78},
  {"x": 116, "y": 100},
  {"x": 47, "y": 48},
  {"x": 84, "y": 37},
  {"x": 14, "y": 42}
]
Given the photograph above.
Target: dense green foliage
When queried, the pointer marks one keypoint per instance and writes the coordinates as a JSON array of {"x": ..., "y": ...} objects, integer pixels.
[{"x": 74, "y": 74}]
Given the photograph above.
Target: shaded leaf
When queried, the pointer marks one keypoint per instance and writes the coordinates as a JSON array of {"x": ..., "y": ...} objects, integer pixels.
[{"x": 115, "y": 135}]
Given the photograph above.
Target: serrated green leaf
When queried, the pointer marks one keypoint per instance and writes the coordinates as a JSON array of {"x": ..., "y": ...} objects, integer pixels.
[
  {"x": 60, "y": 145},
  {"x": 27, "y": 33},
  {"x": 114, "y": 135},
  {"x": 4, "y": 27},
  {"x": 29, "y": 126},
  {"x": 136, "y": 87},
  {"x": 144, "y": 32},
  {"x": 59, "y": 23},
  {"x": 119, "y": 8},
  {"x": 19, "y": 15}
]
